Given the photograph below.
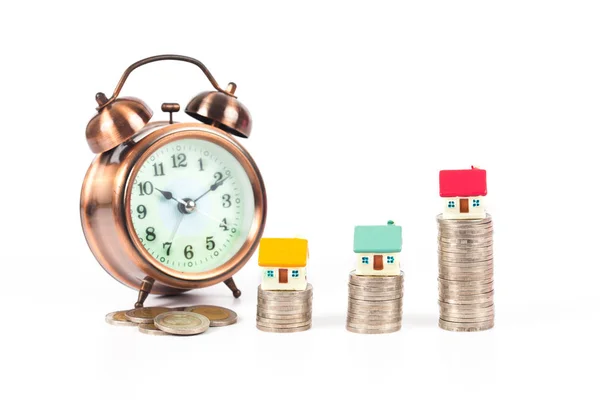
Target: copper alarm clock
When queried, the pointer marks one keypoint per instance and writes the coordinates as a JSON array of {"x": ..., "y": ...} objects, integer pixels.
[{"x": 168, "y": 207}]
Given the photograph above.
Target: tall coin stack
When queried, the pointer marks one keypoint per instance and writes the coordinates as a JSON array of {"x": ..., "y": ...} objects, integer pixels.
[
  {"x": 374, "y": 303},
  {"x": 466, "y": 291},
  {"x": 284, "y": 310}
]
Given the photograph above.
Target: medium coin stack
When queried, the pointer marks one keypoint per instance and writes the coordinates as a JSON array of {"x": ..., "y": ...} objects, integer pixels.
[
  {"x": 284, "y": 311},
  {"x": 466, "y": 267},
  {"x": 374, "y": 303}
]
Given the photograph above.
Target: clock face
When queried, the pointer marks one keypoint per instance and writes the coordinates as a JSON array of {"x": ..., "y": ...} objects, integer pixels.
[{"x": 191, "y": 205}]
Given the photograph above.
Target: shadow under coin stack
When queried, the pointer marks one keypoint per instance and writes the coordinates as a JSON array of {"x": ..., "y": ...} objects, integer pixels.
[
  {"x": 284, "y": 296},
  {"x": 376, "y": 286},
  {"x": 465, "y": 256}
]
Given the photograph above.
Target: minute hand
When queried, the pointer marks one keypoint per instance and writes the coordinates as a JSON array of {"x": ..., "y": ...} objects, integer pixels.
[{"x": 212, "y": 188}]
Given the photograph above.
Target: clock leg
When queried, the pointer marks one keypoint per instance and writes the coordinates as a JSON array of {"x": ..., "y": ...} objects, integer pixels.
[
  {"x": 145, "y": 289},
  {"x": 231, "y": 285}
]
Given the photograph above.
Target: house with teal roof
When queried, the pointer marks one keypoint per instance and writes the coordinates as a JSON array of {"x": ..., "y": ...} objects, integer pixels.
[{"x": 377, "y": 249}]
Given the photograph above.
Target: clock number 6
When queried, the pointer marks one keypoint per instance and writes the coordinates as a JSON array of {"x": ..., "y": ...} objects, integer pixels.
[{"x": 187, "y": 252}]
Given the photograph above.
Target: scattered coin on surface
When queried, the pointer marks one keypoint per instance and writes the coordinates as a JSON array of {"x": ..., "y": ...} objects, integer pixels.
[
  {"x": 182, "y": 323},
  {"x": 218, "y": 316},
  {"x": 145, "y": 315},
  {"x": 118, "y": 318}
]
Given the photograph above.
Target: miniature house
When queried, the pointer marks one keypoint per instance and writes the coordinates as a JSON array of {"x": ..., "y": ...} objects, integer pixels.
[
  {"x": 283, "y": 263},
  {"x": 377, "y": 249},
  {"x": 463, "y": 191}
]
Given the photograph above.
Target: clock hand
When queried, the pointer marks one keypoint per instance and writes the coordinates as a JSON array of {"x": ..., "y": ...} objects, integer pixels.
[
  {"x": 210, "y": 216},
  {"x": 169, "y": 196},
  {"x": 176, "y": 228},
  {"x": 213, "y": 187}
]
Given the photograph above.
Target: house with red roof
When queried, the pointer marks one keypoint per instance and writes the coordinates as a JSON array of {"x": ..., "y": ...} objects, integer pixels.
[{"x": 463, "y": 192}]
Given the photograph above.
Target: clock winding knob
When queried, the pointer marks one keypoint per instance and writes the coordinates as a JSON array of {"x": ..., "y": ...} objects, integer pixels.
[{"x": 170, "y": 108}]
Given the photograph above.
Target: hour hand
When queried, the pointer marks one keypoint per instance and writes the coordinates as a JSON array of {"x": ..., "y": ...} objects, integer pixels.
[{"x": 169, "y": 196}]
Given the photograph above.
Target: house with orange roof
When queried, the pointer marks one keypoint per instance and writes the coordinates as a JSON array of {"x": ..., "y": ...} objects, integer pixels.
[{"x": 283, "y": 263}]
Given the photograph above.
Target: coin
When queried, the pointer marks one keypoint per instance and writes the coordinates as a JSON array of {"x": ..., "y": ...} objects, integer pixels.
[
  {"x": 268, "y": 303},
  {"x": 218, "y": 316},
  {"x": 373, "y": 330},
  {"x": 118, "y": 318},
  {"x": 449, "y": 264},
  {"x": 182, "y": 323},
  {"x": 466, "y": 277},
  {"x": 485, "y": 318},
  {"x": 145, "y": 315},
  {"x": 286, "y": 293},
  {"x": 374, "y": 290},
  {"x": 151, "y": 329},
  {"x": 372, "y": 322},
  {"x": 374, "y": 279},
  {"x": 267, "y": 321},
  {"x": 284, "y": 317},
  {"x": 285, "y": 325},
  {"x": 352, "y": 309},
  {"x": 284, "y": 330},
  {"x": 445, "y": 292},
  {"x": 285, "y": 310},
  {"x": 442, "y": 241},
  {"x": 394, "y": 296},
  {"x": 461, "y": 317},
  {"x": 364, "y": 325},
  {"x": 462, "y": 327}
]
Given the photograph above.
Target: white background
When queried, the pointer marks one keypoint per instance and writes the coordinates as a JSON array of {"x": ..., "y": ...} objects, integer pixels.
[{"x": 356, "y": 108}]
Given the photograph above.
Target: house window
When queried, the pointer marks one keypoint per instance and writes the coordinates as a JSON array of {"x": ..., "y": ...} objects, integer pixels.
[
  {"x": 295, "y": 273},
  {"x": 390, "y": 259},
  {"x": 476, "y": 203},
  {"x": 270, "y": 273},
  {"x": 451, "y": 204},
  {"x": 365, "y": 260}
]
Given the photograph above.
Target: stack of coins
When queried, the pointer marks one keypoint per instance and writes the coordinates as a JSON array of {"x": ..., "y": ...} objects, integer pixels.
[
  {"x": 466, "y": 268},
  {"x": 284, "y": 310},
  {"x": 374, "y": 303}
]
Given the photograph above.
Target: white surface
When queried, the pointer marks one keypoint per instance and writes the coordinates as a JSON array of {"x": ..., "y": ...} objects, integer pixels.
[{"x": 356, "y": 108}]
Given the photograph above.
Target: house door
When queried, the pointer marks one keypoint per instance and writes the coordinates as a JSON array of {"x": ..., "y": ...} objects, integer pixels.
[
  {"x": 464, "y": 205},
  {"x": 378, "y": 263},
  {"x": 283, "y": 275}
]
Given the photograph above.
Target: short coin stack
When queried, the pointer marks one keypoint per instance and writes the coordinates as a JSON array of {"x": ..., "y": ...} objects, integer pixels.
[
  {"x": 284, "y": 310},
  {"x": 374, "y": 303},
  {"x": 466, "y": 283}
]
